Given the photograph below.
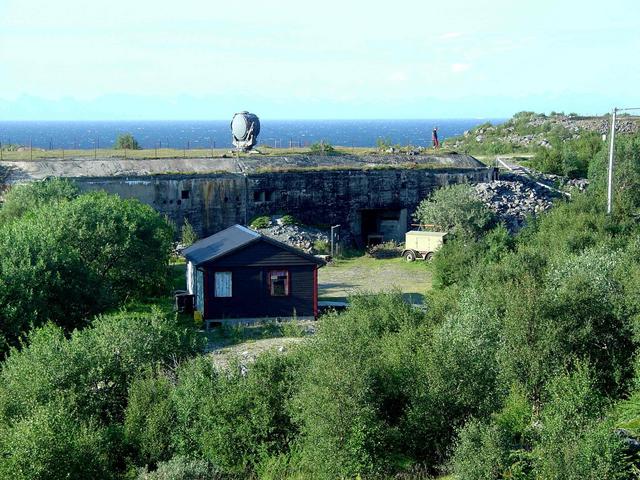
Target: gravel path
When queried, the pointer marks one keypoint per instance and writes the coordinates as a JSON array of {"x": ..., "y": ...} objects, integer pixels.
[{"x": 246, "y": 353}]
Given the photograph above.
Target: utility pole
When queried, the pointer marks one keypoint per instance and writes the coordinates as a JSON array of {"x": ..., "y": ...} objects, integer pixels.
[
  {"x": 332, "y": 238},
  {"x": 611, "y": 148}
]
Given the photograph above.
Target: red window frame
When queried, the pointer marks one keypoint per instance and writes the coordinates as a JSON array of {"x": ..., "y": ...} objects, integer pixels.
[{"x": 287, "y": 283}]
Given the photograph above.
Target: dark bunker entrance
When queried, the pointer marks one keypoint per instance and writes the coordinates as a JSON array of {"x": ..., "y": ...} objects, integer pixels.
[{"x": 380, "y": 225}]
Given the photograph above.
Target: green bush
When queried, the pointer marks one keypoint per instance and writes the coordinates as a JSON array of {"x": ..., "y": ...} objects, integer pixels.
[
  {"x": 322, "y": 247},
  {"x": 260, "y": 222},
  {"x": 383, "y": 144},
  {"x": 569, "y": 439},
  {"x": 456, "y": 209},
  {"x": 627, "y": 177},
  {"x": 482, "y": 453},
  {"x": 322, "y": 148},
  {"x": 126, "y": 141},
  {"x": 94, "y": 367},
  {"x": 289, "y": 220},
  {"x": 150, "y": 418},
  {"x": 576, "y": 442},
  {"x": 51, "y": 443}
]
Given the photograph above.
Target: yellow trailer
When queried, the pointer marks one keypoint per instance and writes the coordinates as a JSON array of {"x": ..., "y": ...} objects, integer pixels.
[{"x": 422, "y": 245}]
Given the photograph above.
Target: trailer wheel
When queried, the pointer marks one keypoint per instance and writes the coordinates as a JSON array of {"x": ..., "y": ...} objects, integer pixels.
[
  {"x": 409, "y": 256},
  {"x": 428, "y": 257}
]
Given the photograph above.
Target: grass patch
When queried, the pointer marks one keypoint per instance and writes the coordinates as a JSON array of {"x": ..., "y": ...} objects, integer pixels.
[{"x": 355, "y": 272}]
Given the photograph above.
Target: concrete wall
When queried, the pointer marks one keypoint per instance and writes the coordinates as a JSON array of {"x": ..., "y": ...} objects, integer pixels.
[
  {"x": 340, "y": 196},
  {"x": 212, "y": 202}
]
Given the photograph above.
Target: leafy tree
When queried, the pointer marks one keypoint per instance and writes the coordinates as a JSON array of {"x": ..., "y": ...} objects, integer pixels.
[
  {"x": 250, "y": 421},
  {"x": 62, "y": 400},
  {"x": 354, "y": 391},
  {"x": 67, "y": 261},
  {"x": 24, "y": 198},
  {"x": 455, "y": 208},
  {"x": 126, "y": 141},
  {"x": 189, "y": 235}
]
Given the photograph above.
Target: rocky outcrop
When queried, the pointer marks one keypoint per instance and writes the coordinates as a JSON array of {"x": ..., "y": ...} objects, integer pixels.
[
  {"x": 306, "y": 238},
  {"x": 514, "y": 200},
  {"x": 530, "y": 131},
  {"x": 515, "y": 197}
]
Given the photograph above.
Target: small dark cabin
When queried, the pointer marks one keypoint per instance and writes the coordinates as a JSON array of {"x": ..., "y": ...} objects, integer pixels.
[{"x": 240, "y": 274}]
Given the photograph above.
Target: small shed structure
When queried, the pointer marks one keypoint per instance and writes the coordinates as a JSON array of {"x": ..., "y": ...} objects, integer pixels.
[{"x": 240, "y": 274}]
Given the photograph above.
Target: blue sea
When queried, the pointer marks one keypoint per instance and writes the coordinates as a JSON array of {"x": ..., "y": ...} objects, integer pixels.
[{"x": 216, "y": 133}]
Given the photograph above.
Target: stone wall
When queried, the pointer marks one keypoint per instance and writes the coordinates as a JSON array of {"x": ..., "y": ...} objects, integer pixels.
[{"x": 212, "y": 202}]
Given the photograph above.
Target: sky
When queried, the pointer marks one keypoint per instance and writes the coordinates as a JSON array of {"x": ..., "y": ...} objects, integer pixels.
[{"x": 197, "y": 59}]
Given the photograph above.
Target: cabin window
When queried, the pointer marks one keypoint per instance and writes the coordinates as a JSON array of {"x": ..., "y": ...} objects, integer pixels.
[
  {"x": 279, "y": 283},
  {"x": 184, "y": 195},
  {"x": 222, "y": 284}
]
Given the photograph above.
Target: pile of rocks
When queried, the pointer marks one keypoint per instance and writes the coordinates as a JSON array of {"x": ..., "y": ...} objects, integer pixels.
[
  {"x": 508, "y": 136},
  {"x": 580, "y": 184},
  {"x": 302, "y": 237},
  {"x": 601, "y": 125},
  {"x": 514, "y": 200}
]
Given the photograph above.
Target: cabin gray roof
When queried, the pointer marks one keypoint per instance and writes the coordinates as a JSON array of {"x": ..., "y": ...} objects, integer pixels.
[{"x": 231, "y": 239}]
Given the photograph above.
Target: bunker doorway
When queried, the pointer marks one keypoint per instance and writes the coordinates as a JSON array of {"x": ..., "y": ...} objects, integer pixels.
[{"x": 382, "y": 225}]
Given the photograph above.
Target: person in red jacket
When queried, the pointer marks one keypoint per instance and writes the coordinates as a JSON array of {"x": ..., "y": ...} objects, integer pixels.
[{"x": 434, "y": 137}]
